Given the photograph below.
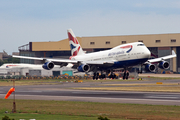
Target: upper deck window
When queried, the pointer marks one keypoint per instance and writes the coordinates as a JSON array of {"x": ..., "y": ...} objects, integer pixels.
[{"x": 140, "y": 45}]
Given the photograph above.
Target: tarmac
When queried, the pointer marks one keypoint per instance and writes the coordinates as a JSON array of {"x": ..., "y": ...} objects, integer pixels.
[
  {"x": 159, "y": 75},
  {"x": 64, "y": 92}
]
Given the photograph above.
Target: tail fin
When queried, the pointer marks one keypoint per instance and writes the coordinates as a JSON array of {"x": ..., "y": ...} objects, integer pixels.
[{"x": 74, "y": 44}]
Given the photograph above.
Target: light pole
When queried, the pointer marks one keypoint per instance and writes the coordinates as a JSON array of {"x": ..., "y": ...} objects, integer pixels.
[{"x": 14, "y": 103}]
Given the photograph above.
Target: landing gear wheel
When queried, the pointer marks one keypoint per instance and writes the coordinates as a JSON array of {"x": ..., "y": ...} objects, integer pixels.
[{"x": 96, "y": 76}]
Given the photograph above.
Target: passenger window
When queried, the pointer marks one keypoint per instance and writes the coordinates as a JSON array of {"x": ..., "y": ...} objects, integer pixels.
[{"x": 140, "y": 45}]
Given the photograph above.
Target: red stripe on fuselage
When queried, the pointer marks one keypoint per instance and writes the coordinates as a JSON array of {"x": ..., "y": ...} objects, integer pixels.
[
  {"x": 11, "y": 65},
  {"x": 128, "y": 46}
]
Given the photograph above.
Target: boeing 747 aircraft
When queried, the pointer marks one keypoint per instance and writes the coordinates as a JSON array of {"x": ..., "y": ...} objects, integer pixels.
[{"x": 122, "y": 56}]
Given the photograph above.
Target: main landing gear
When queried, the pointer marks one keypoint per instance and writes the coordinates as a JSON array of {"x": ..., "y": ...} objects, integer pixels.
[
  {"x": 112, "y": 75},
  {"x": 125, "y": 74},
  {"x": 96, "y": 75}
]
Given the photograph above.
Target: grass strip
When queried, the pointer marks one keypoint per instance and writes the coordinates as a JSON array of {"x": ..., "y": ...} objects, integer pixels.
[
  {"x": 31, "y": 82},
  {"x": 141, "y": 84},
  {"x": 9, "y": 82},
  {"x": 89, "y": 110}
]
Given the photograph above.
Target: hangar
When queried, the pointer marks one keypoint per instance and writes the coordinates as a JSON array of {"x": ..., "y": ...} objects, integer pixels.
[{"x": 159, "y": 45}]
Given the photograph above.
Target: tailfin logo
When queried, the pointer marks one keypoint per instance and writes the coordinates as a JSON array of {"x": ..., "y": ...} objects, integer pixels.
[
  {"x": 74, "y": 44},
  {"x": 73, "y": 39},
  {"x": 76, "y": 52},
  {"x": 129, "y": 47}
]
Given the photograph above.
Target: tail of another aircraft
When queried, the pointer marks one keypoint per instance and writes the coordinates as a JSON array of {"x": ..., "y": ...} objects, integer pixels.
[{"x": 74, "y": 44}]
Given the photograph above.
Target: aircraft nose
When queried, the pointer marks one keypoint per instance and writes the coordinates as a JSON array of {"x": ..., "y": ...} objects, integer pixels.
[{"x": 147, "y": 53}]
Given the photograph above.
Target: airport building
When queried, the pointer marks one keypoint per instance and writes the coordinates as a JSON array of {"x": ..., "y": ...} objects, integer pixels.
[
  {"x": 25, "y": 71},
  {"x": 159, "y": 45}
]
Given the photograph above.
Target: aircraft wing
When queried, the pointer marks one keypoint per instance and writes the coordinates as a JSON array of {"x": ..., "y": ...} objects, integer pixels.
[
  {"x": 48, "y": 59},
  {"x": 57, "y": 61},
  {"x": 163, "y": 58}
]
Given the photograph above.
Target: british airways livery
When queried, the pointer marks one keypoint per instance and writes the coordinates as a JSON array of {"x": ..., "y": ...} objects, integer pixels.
[
  {"x": 122, "y": 56},
  {"x": 74, "y": 45},
  {"x": 128, "y": 46}
]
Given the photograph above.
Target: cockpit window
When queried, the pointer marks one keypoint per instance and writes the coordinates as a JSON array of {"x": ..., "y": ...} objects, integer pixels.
[{"x": 140, "y": 45}]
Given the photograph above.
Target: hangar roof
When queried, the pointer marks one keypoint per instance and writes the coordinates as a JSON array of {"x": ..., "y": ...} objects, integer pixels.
[
  {"x": 153, "y": 40},
  {"x": 62, "y": 45}
]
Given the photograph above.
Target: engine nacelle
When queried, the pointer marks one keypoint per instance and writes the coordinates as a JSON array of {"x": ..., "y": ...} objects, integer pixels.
[
  {"x": 83, "y": 68},
  {"x": 163, "y": 65},
  {"x": 48, "y": 65},
  {"x": 150, "y": 67}
]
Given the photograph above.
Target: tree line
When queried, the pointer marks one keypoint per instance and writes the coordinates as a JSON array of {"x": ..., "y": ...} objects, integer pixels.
[{"x": 10, "y": 60}]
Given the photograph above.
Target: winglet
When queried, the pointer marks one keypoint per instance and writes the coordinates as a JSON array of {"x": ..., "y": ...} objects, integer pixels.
[{"x": 173, "y": 53}]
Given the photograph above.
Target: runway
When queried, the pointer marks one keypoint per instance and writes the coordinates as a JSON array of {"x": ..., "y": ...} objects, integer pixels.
[{"x": 63, "y": 92}]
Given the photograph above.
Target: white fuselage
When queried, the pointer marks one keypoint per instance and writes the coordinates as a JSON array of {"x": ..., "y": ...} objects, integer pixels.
[
  {"x": 22, "y": 65},
  {"x": 131, "y": 51}
]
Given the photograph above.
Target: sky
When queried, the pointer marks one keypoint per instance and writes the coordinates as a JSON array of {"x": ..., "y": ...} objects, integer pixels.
[{"x": 24, "y": 21}]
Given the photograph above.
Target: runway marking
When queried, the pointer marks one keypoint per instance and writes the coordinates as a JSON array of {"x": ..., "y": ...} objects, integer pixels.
[
  {"x": 90, "y": 93},
  {"x": 70, "y": 97},
  {"x": 162, "y": 96},
  {"x": 29, "y": 91}
]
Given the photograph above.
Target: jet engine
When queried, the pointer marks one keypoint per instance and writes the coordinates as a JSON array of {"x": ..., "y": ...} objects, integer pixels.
[
  {"x": 150, "y": 67},
  {"x": 83, "y": 68},
  {"x": 48, "y": 65},
  {"x": 163, "y": 65}
]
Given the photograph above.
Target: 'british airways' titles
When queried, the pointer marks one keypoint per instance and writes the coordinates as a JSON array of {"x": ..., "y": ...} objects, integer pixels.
[{"x": 116, "y": 53}]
